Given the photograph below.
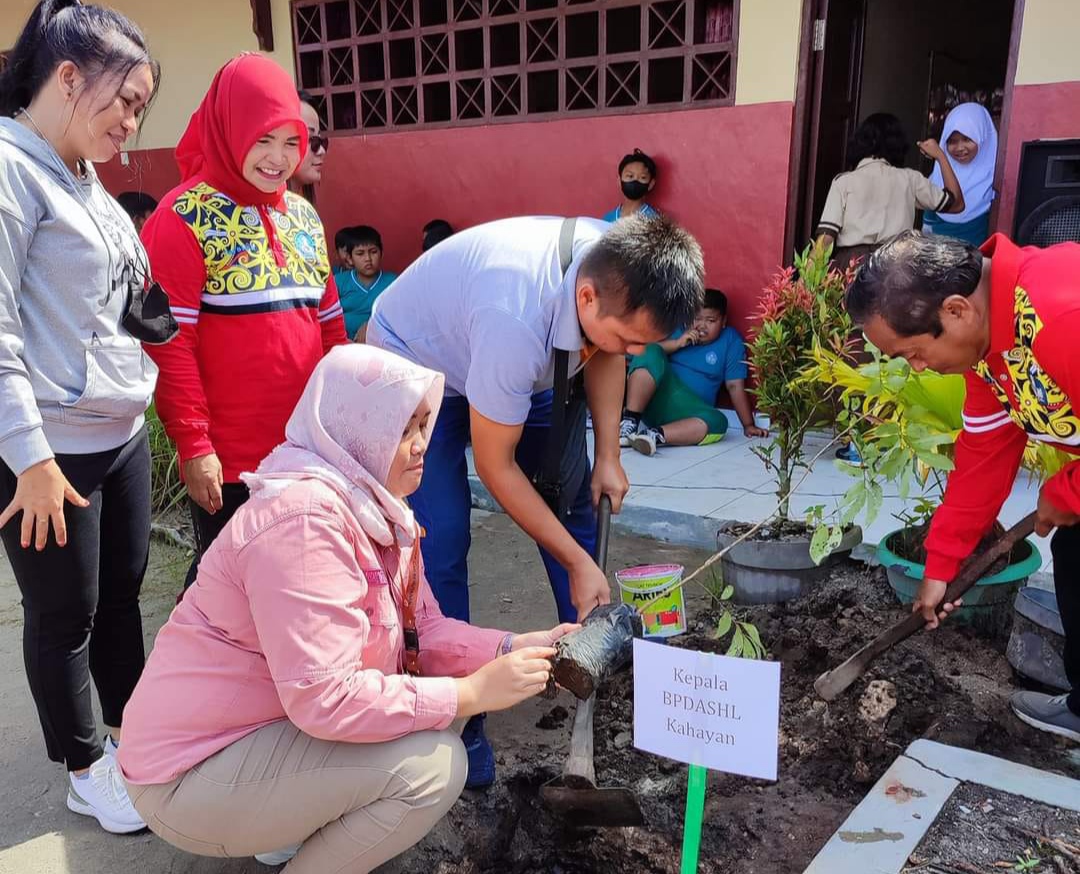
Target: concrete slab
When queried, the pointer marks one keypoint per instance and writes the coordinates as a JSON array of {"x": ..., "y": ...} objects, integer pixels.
[
  {"x": 995, "y": 773},
  {"x": 888, "y": 824},
  {"x": 682, "y": 499}
]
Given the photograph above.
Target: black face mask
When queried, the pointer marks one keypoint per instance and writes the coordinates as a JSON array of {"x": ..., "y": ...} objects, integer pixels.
[
  {"x": 147, "y": 316},
  {"x": 635, "y": 190}
]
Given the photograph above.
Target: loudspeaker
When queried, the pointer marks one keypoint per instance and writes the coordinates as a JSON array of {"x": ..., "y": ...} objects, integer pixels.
[{"x": 1048, "y": 193}]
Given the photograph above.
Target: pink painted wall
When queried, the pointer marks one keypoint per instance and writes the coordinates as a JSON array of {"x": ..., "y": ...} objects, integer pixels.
[
  {"x": 723, "y": 174},
  {"x": 1038, "y": 112},
  {"x": 151, "y": 170}
]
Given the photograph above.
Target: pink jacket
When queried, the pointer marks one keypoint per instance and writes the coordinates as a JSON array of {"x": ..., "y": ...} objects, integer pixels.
[{"x": 306, "y": 627}]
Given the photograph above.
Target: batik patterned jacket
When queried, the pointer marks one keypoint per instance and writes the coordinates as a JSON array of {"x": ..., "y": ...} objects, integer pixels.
[
  {"x": 257, "y": 307},
  {"x": 1026, "y": 388}
]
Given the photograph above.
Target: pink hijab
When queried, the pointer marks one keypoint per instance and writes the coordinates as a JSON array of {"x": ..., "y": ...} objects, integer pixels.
[{"x": 345, "y": 430}]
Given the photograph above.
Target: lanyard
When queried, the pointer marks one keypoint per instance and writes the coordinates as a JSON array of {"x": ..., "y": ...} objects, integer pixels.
[{"x": 408, "y": 610}]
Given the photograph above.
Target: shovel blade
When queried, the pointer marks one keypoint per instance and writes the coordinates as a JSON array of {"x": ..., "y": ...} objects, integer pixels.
[{"x": 615, "y": 807}]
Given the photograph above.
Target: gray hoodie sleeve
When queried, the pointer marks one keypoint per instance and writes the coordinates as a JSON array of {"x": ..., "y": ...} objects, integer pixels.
[{"x": 22, "y": 439}]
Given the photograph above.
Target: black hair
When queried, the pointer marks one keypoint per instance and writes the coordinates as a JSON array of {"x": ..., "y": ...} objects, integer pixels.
[
  {"x": 715, "y": 299},
  {"x": 365, "y": 235},
  {"x": 136, "y": 203},
  {"x": 435, "y": 231},
  {"x": 99, "y": 41},
  {"x": 908, "y": 279},
  {"x": 652, "y": 264},
  {"x": 638, "y": 157},
  {"x": 343, "y": 239},
  {"x": 881, "y": 135}
]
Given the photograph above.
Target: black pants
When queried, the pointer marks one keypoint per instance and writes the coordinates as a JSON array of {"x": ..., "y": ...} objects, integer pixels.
[
  {"x": 209, "y": 525},
  {"x": 81, "y": 601},
  {"x": 1065, "y": 547}
]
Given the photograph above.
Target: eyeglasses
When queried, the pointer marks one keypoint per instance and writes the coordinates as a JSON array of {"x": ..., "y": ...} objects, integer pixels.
[{"x": 319, "y": 143}]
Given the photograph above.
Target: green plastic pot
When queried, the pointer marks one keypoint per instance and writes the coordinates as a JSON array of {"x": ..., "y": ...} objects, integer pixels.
[{"x": 987, "y": 605}]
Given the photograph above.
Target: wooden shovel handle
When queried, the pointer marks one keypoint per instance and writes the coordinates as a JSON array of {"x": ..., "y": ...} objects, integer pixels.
[
  {"x": 579, "y": 771},
  {"x": 977, "y": 565},
  {"x": 603, "y": 531},
  {"x": 832, "y": 683}
]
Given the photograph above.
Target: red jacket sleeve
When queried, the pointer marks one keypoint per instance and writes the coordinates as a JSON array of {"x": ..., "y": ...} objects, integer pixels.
[
  {"x": 331, "y": 317},
  {"x": 1055, "y": 350},
  {"x": 988, "y": 455},
  {"x": 176, "y": 260}
]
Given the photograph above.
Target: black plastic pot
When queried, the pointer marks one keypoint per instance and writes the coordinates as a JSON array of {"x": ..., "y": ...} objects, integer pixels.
[{"x": 769, "y": 571}]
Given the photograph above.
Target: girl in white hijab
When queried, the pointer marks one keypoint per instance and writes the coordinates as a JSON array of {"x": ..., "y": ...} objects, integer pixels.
[{"x": 971, "y": 145}]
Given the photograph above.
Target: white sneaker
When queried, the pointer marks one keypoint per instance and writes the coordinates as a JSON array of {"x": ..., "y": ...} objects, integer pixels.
[
  {"x": 646, "y": 441},
  {"x": 278, "y": 857},
  {"x": 103, "y": 796},
  {"x": 110, "y": 746},
  {"x": 627, "y": 429}
]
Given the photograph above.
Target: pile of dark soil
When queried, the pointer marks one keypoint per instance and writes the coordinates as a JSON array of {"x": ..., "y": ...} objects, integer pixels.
[{"x": 949, "y": 686}]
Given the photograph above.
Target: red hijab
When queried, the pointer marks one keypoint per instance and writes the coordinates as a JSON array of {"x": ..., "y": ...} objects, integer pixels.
[{"x": 249, "y": 97}]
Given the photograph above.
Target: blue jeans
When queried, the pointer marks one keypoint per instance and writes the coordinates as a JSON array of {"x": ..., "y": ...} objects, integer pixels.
[{"x": 443, "y": 503}]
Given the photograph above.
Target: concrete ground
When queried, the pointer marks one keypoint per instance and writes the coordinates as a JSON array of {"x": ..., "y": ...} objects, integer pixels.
[
  {"x": 38, "y": 835},
  {"x": 681, "y": 493}
]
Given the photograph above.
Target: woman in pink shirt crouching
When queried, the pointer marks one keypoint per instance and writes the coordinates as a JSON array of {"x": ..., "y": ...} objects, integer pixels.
[{"x": 302, "y": 693}]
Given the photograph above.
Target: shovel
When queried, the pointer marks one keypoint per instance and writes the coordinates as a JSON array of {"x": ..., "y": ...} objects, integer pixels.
[
  {"x": 575, "y": 795},
  {"x": 832, "y": 683}
]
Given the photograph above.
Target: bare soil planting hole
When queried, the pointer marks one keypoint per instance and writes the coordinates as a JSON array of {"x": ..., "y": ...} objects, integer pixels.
[{"x": 950, "y": 686}]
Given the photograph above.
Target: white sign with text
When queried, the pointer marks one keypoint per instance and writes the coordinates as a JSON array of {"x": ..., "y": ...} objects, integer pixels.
[{"x": 703, "y": 709}]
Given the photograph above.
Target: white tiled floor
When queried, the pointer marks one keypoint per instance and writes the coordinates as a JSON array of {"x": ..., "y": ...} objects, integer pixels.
[
  {"x": 727, "y": 481},
  {"x": 730, "y": 478}
]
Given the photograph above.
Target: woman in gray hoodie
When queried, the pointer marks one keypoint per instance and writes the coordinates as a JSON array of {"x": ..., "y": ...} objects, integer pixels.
[{"x": 74, "y": 383}]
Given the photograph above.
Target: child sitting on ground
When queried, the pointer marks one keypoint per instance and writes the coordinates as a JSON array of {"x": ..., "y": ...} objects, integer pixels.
[
  {"x": 672, "y": 388},
  {"x": 359, "y": 287}
]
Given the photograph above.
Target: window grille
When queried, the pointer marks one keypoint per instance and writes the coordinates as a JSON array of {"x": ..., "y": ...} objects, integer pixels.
[{"x": 379, "y": 65}]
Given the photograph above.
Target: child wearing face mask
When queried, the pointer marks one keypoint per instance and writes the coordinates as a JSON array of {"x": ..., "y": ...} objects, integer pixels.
[
  {"x": 637, "y": 177},
  {"x": 971, "y": 148},
  {"x": 245, "y": 264}
]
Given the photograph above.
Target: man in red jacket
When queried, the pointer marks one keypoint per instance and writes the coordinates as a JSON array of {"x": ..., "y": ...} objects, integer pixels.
[{"x": 1009, "y": 320}]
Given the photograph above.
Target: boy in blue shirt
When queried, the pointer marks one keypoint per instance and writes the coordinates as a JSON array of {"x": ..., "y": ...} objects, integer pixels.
[
  {"x": 358, "y": 288},
  {"x": 672, "y": 388},
  {"x": 637, "y": 177}
]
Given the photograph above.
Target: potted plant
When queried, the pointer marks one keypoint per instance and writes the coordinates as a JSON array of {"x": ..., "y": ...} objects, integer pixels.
[
  {"x": 801, "y": 310},
  {"x": 911, "y": 422}
]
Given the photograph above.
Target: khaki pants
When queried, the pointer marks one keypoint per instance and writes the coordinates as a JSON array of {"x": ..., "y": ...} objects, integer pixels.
[{"x": 353, "y": 806}]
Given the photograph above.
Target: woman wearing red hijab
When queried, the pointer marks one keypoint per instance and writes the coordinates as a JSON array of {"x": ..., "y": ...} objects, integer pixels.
[{"x": 245, "y": 265}]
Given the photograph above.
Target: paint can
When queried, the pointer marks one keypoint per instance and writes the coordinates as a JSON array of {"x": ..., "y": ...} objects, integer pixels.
[{"x": 648, "y": 589}]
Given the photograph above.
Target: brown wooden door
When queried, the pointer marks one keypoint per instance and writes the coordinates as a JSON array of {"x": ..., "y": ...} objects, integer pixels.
[{"x": 836, "y": 70}]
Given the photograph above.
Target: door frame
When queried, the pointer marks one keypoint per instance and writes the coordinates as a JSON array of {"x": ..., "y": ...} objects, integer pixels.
[
  {"x": 801, "y": 145},
  {"x": 800, "y": 129},
  {"x": 806, "y": 122},
  {"x": 1006, "y": 111}
]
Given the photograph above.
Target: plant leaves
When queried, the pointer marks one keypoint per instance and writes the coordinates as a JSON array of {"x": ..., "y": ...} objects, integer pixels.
[
  {"x": 737, "y": 643},
  {"x": 724, "y": 625},
  {"x": 819, "y": 544},
  {"x": 751, "y": 632}
]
